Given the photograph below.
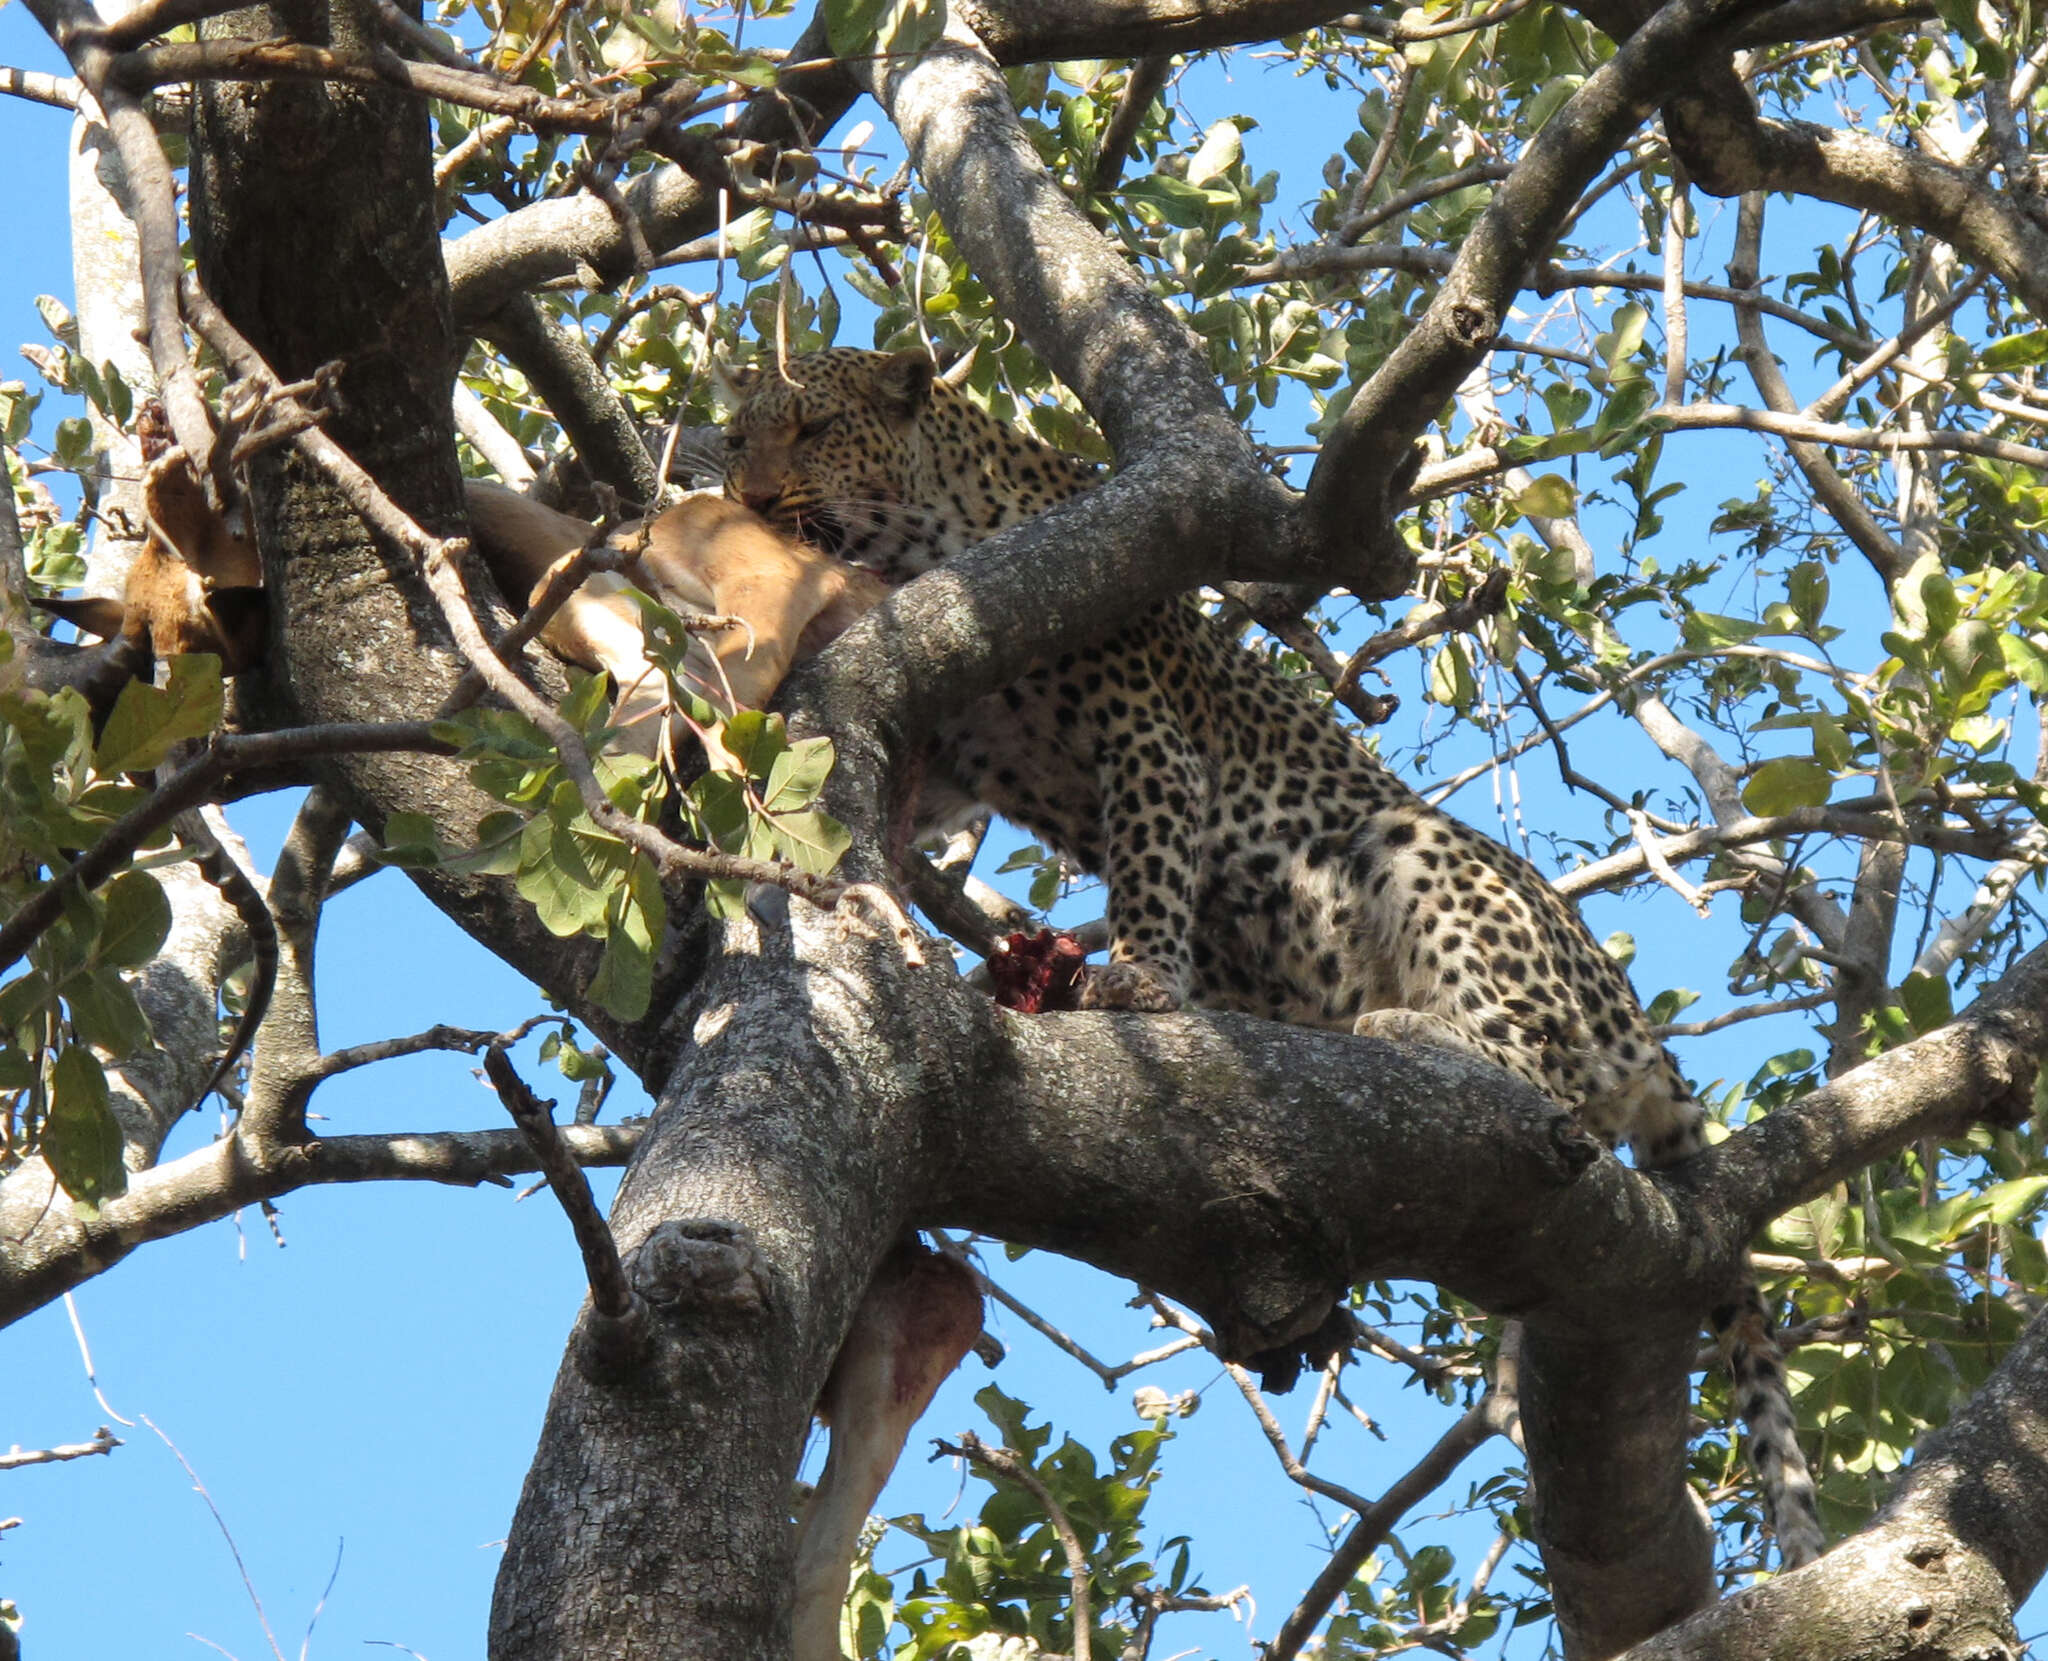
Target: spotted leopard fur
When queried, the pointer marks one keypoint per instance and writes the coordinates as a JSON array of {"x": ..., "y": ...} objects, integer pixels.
[{"x": 1258, "y": 856}]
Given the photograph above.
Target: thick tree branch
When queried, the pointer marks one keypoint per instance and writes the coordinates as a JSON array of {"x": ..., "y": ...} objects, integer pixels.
[
  {"x": 151, "y": 203},
  {"x": 1028, "y": 31},
  {"x": 559, "y": 238},
  {"x": 46, "y": 1250},
  {"x": 61, "y": 91},
  {"x": 1730, "y": 149},
  {"x": 1830, "y": 489},
  {"x": 558, "y": 364},
  {"x": 1980, "y": 1067},
  {"x": 1364, "y": 452},
  {"x": 1258, "y": 1170},
  {"x": 1072, "y": 295},
  {"x": 1836, "y": 819}
]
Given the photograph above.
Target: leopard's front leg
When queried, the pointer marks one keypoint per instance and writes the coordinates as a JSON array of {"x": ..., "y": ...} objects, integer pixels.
[{"x": 1153, "y": 793}]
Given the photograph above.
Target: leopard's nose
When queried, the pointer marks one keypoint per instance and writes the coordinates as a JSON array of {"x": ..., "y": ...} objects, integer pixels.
[{"x": 761, "y": 501}]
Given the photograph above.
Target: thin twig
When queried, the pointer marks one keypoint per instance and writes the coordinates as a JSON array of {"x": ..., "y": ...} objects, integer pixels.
[
  {"x": 618, "y": 1331},
  {"x": 463, "y": 1040},
  {"x": 1147, "y": 78},
  {"x": 1248, "y": 1387},
  {"x": 949, "y": 1247},
  {"x": 1154, "y": 1601},
  {"x": 1004, "y": 1463},
  {"x": 1661, "y": 868},
  {"x": 473, "y": 144},
  {"x": 226, "y": 1534},
  {"x": 1382, "y": 154},
  {"x": 103, "y": 1441},
  {"x": 1459, "y": 617},
  {"x": 1748, "y": 1012},
  {"x": 1483, "y": 1420},
  {"x": 1478, "y": 173}
]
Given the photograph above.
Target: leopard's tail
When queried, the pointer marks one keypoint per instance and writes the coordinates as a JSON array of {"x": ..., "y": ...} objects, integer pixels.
[
  {"x": 234, "y": 885},
  {"x": 1750, "y": 1348}
]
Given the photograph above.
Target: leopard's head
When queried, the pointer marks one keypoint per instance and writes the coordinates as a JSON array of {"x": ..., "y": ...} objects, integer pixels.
[{"x": 832, "y": 453}]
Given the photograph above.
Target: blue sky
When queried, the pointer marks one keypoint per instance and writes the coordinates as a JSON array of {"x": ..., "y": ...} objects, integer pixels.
[{"x": 375, "y": 1386}]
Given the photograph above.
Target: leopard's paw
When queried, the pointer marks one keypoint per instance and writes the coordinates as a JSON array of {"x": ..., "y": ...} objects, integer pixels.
[
  {"x": 1130, "y": 986},
  {"x": 1415, "y": 1026}
]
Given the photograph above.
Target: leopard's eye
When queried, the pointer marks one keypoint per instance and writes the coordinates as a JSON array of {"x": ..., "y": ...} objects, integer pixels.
[
  {"x": 818, "y": 428},
  {"x": 735, "y": 441}
]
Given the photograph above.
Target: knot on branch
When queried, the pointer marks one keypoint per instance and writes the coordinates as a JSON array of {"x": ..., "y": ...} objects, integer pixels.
[
  {"x": 1473, "y": 326},
  {"x": 2010, "y": 1069},
  {"x": 1279, "y": 1369},
  {"x": 701, "y": 1264},
  {"x": 1577, "y": 1149}
]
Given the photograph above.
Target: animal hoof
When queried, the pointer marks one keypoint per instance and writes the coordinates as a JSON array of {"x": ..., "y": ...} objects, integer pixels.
[{"x": 1129, "y": 986}]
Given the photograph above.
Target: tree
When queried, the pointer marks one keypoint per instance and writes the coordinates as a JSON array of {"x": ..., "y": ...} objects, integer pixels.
[{"x": 1839, "y": 765}]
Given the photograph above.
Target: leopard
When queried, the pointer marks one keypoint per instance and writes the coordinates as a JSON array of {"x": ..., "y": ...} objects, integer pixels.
[{"x": 1258, "y": 856}]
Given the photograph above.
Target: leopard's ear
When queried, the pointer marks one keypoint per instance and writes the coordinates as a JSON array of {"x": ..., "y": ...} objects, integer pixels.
[
  {"x": 903, "y": 383},
  {"x": 735, "y": 381}
]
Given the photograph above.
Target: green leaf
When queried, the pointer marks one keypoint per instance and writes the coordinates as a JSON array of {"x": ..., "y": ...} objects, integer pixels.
[
  {"x": 1706, "y": 630},
  {"x": 81, "y": 1139},
  {"x": 1221, "y": 149},
  {"x": 135, "y": 922},
  {"x": 2026, "y": 661},
  {"x": 73, "y": 448},
  {"x": 798, "y": 774},
  {"x": 1927, "y": 1001},
  {"x": 496, "y": 853},
  {"x": 105, "y": 1013},
  {"x": 851, "y": 24},
  {"x": 1787, "y": 782},
  {"x": 1549, "y": 496},
  {"x": 911, "y": 26},
  {"x": 756, "y": 246},
  {"x": 755, "y": 740},
  {"x": 2010, "y": 1202},
  {"x": 58, "y": 320},
  {"x": 1806, "y": 586},
  {"x": 811, "y": 841},
  {"x": 725, "y": 898},
  {"x": 722, "y": 809},
  {"x": 624, "y": 982},
  {"x": 23, "y": 997},
  {"x": 556, "y": 874},
  {"x": 579, "y": 1066},
  {"x": 412, "y": 842},
  {"x": 2015, "y": 351},
  {"x": 148, "y": 721},
  {"x": 1625, "y": 338}
]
